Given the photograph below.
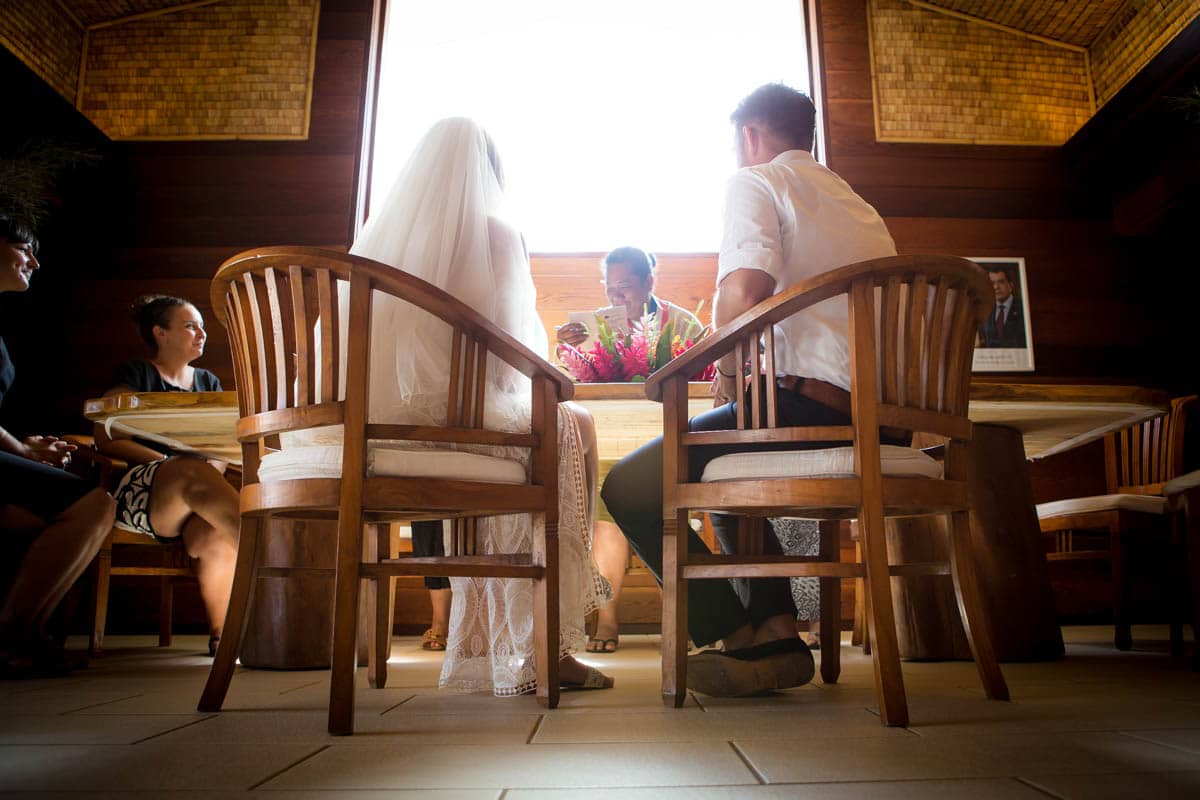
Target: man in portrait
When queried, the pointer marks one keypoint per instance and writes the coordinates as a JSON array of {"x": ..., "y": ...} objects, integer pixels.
[{"x": 1005, "y": 326}]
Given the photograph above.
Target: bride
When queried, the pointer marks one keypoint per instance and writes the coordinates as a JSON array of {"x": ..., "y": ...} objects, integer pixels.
[{"x": 439, "y": 223}]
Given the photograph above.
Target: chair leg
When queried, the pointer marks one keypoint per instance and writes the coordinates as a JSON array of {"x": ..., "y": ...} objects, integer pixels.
[
  {"x": 885, "y": 653},
  {"x": 1191, "y": 541},
  {"x": 1178, "y": 585},
  {"x": 244, "y": 574},
  {"x": 674, "y": 612},
  {"x": 100, "y": 599},
  {"x": 345, "y": 621},
  {"x": 971, "y": 607},
  {"x": 166, "y": 609},
  {"x": 546, "y": 617},
  {"x": 831, "y": 606},
  {"x": 1122, "y": 632},
  {"x": 380, "y": 598},
  {"x": 862, "y": 633}
]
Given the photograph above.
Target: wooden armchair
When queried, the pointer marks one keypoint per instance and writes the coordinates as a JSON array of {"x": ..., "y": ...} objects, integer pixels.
[
  {"x": 910, "y": 360},
  {"x": 171, "y": 557},
  {"x": 1137, "y": 462},
  {"x": 281, "y": 308},
  {"x": 1183, "y": 501}
]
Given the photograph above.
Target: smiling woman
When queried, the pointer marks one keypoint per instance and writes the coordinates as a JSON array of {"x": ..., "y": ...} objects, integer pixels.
[
  {"x": 68, "y": 516},
  {"x": 612, "y": 116}
]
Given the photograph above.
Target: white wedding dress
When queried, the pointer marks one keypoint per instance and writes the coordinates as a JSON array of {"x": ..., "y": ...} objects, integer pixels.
[{"x": 440, "y": 223}]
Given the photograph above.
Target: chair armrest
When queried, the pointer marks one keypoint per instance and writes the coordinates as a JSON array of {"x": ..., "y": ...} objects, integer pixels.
[{"x": 799, "y": 297}]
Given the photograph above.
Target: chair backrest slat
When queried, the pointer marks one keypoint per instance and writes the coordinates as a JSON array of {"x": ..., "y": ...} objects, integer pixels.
[
  {"x": 468, "y": 390},
  {"x": 1142, "y": 457},
  {"x": 279, "y": 304},
  {"x": 934, "y": 343},
  {"x": 957, "y": 364},
  {"x": 756, "y": 386},
  {"x": 914, "y": 329},
  {"x": 302, "y": 334},
  {"x": 889, "y": 339},
  {"x": 769, "y": 352},
  {"x": 740, "y": 354},
  {"x": 327, "y": 323},
  {"x": 480, "y": 381}
]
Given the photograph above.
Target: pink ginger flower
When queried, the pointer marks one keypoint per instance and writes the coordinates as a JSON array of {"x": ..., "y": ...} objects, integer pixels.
[{"x": 635, "y": 359}]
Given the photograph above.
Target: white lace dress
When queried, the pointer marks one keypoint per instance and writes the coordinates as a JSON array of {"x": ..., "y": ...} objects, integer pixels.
[{"x": 440, "y": 223}]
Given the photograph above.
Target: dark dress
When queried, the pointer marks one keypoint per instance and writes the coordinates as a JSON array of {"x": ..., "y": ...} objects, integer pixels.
[
  {"x": 133, "y": 493},
  {"x": 38, "y": 488}
]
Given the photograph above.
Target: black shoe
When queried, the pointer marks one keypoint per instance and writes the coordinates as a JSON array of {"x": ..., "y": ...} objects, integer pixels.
[{"x": 781, "y": 664}]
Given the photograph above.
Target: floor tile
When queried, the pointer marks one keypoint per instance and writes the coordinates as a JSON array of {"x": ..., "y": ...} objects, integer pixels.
[
  {"x": 150, "y": 766},
  {"x": 28, "y": 729},
  {"x": 1160, "y": 786},
  {"x": 987, "y": 789},
  {"x": 695, "y": 725},
  {"x": 404, "y": 728},
  {"x": 1184, "y": 739},
  {"x": 539, "y": 766},
  {"x": 958, "y": 757}
]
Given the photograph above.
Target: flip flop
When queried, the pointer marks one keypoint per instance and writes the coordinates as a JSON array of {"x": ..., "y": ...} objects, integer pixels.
[
  {"x": 594, "y": 679},
  {"x": 603, "y": 645},
  {"x": 433, "y": 641}
]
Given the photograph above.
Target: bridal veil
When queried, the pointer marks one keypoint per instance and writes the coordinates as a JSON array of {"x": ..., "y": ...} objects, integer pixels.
[{"x": 440, "y": 222}]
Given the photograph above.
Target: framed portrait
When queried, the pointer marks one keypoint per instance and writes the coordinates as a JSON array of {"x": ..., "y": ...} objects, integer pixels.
[{"x": 1004, "y": 342}]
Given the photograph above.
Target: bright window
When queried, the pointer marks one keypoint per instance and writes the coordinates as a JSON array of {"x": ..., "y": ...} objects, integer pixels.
[{"x": 612, "y": 118}]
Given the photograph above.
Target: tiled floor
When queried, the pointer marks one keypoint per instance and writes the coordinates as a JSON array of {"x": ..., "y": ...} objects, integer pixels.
[{"x": 1097, "y": 724}]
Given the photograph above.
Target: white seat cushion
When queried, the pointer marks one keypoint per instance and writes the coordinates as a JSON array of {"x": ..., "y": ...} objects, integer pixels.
[
  {"x": 1147, "y": 504},
  {"x": 835, "y": 462},
  {"x": 1182, "y": 483},
  {"x": 325, "y": 461}
]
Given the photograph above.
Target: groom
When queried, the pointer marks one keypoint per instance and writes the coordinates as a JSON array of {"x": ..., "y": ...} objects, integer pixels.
[{"x": 787, "y": 218}]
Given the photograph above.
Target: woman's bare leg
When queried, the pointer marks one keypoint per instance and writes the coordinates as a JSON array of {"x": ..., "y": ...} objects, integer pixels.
[
  {"x": 191, "y": 499},
  {"x": 54, "y": 561},
  {"x": 440, "y": 599},
  {"x": 611, "y": 550},
  {"x": 216, "y": 556}
]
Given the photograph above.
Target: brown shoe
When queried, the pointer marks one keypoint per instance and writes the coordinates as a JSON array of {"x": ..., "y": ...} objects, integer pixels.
[{"x": 768, "y": 667}]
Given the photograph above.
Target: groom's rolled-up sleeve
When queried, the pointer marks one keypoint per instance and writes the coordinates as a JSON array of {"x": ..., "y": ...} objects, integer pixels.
[{"x": 751, "y": 239}]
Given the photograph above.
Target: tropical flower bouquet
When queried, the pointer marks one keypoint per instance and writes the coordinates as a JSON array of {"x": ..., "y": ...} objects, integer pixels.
[{"x": 616, "y": 356}]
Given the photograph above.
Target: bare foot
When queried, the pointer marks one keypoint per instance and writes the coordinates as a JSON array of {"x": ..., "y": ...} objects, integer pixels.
[{"x": 607, "y": 638}]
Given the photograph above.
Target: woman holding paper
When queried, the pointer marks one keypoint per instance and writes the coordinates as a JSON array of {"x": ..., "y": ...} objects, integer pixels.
[{"x": 629, "y": 284}]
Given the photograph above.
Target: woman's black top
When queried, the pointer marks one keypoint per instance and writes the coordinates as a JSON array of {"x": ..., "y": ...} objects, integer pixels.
[
  {"x": 142, "y": 376},
  {"x": 7, "y": 373},
  {"x": 41, "y": 489}
]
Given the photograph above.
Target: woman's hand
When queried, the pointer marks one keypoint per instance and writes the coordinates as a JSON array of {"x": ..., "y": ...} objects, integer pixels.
[
  {"x": 573, "y": 333},
  {"x": 48, "y": 450}
]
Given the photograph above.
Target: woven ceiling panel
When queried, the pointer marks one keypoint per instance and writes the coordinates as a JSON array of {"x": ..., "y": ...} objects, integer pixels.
[
  {"x": 91, "y": 12},
  {"x": 1076, "y": 22}
]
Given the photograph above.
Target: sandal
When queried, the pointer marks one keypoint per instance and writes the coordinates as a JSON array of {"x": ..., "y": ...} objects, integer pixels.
[
  {"x": 433, "y": 641},
  {"x": 595, "y": 645},
  {"x": 594, "y": 679}
]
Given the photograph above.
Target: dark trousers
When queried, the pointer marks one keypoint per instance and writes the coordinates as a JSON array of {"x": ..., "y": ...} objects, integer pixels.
[
  {"x": 633, "y": 493},
  {"x": 427, "y": 541}
]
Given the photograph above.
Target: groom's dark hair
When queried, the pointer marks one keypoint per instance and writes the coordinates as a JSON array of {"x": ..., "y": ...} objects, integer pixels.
[{"x": 785, "y": 112}]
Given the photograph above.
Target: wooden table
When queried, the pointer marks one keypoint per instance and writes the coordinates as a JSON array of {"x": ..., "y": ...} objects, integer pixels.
[
  {"x": 290, "y": 618},
  {"x": 1018, "y": 421}
]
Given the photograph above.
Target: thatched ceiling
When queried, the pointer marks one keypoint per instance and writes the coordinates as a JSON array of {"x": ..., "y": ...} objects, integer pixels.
[{"x": 1076, "y": 22}]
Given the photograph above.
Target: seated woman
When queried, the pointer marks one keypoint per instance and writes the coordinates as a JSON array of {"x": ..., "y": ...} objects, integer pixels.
[
  {"x": 439, "y": 223},
  {"x": 67, "y": 516},
  {"x": 168, "y": 496},
  {"x": 629, "y": 283}
]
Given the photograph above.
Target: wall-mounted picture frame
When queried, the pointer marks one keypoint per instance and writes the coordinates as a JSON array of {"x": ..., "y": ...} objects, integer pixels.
[{"x": 1004, "y": 342}]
